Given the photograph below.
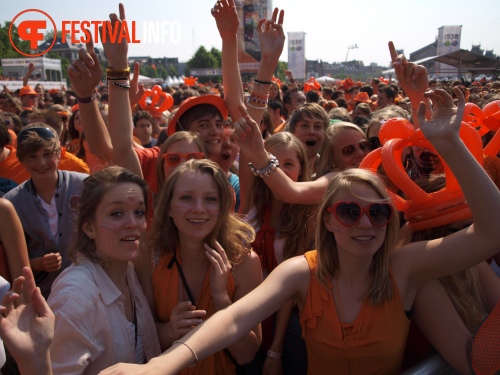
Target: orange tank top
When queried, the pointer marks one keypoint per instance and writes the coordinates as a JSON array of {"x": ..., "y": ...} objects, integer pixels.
[
  {"x": 166, "y": 297},
  {"x": 375, "y": 341}
]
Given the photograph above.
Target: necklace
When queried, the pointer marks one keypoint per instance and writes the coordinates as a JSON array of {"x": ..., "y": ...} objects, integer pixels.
[{"x": 344, "y": 337}]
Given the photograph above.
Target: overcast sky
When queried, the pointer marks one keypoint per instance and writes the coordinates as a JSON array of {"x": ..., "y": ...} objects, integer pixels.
[{"x": 330, "y": 26}]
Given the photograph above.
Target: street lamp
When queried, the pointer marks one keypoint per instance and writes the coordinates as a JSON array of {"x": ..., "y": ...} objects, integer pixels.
[{"x": 354, "y": 46}]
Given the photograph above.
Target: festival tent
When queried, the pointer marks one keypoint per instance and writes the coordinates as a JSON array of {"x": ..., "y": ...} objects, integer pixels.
[
  {"x": 145, "y": 80},
  {"x": 326, "y": 79}
]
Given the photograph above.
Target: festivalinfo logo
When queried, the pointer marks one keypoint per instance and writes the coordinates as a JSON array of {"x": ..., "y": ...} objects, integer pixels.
[{"x": 33, "y": 24}]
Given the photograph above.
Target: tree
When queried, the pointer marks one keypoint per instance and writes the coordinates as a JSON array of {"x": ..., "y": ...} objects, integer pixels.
[
  {"x": 280, "y": 70},
  {"x": 202, "y": 59},
  {"x": 149, "y": 71},
  {"x": 6, "y": 48},
  {"x": 218, "y": 56},
  {"x": 162, "y": 72},
  {"x": 172, "y": 71}
]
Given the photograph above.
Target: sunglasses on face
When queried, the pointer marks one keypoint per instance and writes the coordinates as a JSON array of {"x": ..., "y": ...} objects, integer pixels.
[
  {"x": 174, "y": 158},
  {"x": 364, "y": 146},
  {"x": 349, "y": 213}
]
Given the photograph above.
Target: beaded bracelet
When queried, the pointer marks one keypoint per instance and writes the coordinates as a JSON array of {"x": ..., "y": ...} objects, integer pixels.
[
  {"x": 266, "y": 171},
  {"x": 255, "y": 106},
  {"x": 263, "y": 97},
  {"x": 257, "y": 100},
  {"x": 125, "y": 86}
]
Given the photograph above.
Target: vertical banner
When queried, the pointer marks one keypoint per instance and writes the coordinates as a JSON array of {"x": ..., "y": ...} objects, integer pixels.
[
  {"x": 250, "y": 12},
  {"x": 448, "y": 41},
  {"x": 297, "y": 54}
]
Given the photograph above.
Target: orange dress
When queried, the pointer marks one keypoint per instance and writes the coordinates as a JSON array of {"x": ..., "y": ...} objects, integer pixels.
[
  {"x": 375, "y": 341},
  {"x": 166, "y": 288}
]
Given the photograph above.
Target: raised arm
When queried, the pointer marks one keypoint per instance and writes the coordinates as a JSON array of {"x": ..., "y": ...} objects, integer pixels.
[
  {"x": 12, "y": 239},
  {"x": 29, "y": 72},
  {"x": 271, "y": 38},
  {"x": 85, "y": 74},
  {"x": 289, "y": 280},
  {"x": 120, "y": 113},
  {"x": 414, "y": 81},
  {"x": 431, "y": 259},
  {"x": 291, "y": 79},
  {"x": 252, "y": 145}
]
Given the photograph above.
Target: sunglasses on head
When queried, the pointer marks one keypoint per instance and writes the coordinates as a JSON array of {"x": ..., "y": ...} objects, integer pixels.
[
  {"x": 174, "y": 158},
  {"x": 349, "y": 213},
  {"x": 364, "y": 146},
  {"x": 44, "y": 133}
]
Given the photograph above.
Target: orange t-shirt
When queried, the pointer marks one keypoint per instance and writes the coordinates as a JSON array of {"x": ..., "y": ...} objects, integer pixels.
[
  {"x": 166, "y": 297},
  {"x": 70, "y": 162},
  {"x": 148, "y": 157},
  {"x": 12, "y": 172},
  {"x": 375, "y": 341},
  {"x": 13, "y": 138}
]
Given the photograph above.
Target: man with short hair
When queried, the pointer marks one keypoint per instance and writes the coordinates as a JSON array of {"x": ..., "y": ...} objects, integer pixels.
[
  {"x": 386, "y": 97},
  {"x": 29, "y": 98},
  {"x": 275, "y": 109},
  {"x": 293, "y": 99},
  {"x": 143, "y": 128}
]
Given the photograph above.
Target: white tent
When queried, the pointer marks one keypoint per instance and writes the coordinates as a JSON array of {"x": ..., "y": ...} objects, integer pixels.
[
  {"x": 326, "y": 79},
  {"x": 144, "y": 79}
]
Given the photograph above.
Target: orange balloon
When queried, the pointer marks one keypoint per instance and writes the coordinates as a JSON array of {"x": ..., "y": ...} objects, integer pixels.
[
  {"x": 474, "y": 117},
  {"x": 160, "y": 101},
  {"x": 397, "y": 127},
  {"x": 422, "y": 210},
  {"x": 491, "y": 113}
]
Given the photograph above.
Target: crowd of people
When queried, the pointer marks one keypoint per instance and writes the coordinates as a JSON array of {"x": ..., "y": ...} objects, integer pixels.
[{"x": 254, "y": 227}]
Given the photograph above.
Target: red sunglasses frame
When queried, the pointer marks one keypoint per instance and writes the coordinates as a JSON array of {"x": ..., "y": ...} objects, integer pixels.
[
  {"x": 358, "y": 145},
  {"x": 363, "y": 210},
  {"x": 191, "y": 155}
]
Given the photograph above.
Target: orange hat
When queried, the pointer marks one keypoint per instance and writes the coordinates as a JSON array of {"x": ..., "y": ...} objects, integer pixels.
[
  {"x": 75, "y": 108},
  {"x": 347, "y": 83},
  {"x": 27, "y": 90},
  {"x": 362, "y": 97},
  {"x": 193, "y": 101}
]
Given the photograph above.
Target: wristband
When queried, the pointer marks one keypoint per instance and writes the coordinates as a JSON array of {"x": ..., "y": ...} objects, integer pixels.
[
  {"x": 87, "y": 99},
  {"x": 274, "y": 355},
  {"x": 111, "y": 73},
  {"x": 262, "y": 82}
]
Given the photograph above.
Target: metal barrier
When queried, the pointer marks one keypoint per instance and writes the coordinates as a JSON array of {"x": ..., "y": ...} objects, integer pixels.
[{"x": 433, "y": 365}]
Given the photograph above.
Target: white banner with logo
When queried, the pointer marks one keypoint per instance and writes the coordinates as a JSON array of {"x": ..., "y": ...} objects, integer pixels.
[
  {"x": 297, "y": 54},
  {"x": 448, "y": 39}
]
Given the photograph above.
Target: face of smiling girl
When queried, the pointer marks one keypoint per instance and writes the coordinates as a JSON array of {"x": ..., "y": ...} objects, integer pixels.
[
  {"x": 195, "y": 206},
  {"x": 119, "y": 222}
]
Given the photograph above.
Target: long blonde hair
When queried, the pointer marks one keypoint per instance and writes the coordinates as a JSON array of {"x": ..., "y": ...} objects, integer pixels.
[
  {"x": 381, "y": 288},
  {"x": 234, "y": 235},
  {"x": 326, "y": 153},
  {"x": 293, "y": 216}
]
